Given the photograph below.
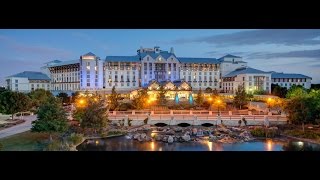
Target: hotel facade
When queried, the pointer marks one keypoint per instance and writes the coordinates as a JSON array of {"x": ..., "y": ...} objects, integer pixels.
[{"x": 152, "y": 66}]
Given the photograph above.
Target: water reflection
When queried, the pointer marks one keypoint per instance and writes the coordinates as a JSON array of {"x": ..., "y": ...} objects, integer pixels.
[
  {"x": 269, "y": 145},
  {"x": 209, "y": 145},
  {"x": 123, "y": 144},
  {"x": 152, "y": 146}
]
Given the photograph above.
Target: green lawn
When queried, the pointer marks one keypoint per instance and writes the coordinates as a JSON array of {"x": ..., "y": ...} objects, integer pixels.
[{"x": 26, "y": 141}]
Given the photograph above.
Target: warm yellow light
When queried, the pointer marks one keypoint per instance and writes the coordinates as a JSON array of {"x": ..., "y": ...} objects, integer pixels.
[
  {"x": 95, "y": 99},
  {"x": 81, "y": 101},
  {"x": 210, "y": 99},
  {"x": 269, "y": 99},
  {"x": 97, "y": 142},
  {"x": 209, "y": 145},
  {"x": 218, "y": 101},
  {"x": 152, "y": 146},
  {"x": 269, "y": 145}
]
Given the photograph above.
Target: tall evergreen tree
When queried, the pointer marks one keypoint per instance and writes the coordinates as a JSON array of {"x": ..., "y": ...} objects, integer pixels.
[
  {"x": 94, "y": 115},
  {"x": 162, "y": 96},
  {"x": 240, "y": 98},
  {"x": 141, "y": 99},
  {"x": 113, "y": 99},
  {"x": 200, "y": 98},
  {"x": 51, "y": 117}
]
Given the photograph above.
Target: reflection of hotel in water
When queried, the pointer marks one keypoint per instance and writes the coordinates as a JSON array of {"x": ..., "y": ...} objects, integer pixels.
[{"x": 151, "y": 68}]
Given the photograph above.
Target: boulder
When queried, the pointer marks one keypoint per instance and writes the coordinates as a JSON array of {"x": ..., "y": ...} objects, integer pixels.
[
  {"x": 178, "y": 129},
  {"x": 186, "y": 138},
  {"x": 136, "y": 136},
  {"x": 170, "y": 132},
  {"x": 143, "y": 135},
  {"x": 170, "y": 139},
  {"x": 194, "y": 131}
]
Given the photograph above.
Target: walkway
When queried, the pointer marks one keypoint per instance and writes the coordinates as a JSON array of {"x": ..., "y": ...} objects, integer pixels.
[{"x": 26, "y": 126}]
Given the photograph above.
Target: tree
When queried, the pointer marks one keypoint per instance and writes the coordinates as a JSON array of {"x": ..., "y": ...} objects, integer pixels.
[
  {"x": 13, "y": 102},
  {"x": 39, "y": 96},
  {"x": 301, "y": 110},
  {"x": 240, "y": 98},
  {"x": 162, "y": 96},
  {"x": 113, "y": 99},
  {"x": 64, "y": 97},
  {"x": 51, "y": 117},
  {"x": 208, "y": 90},
  {"x": 141, "y": 99},
  {"x": 74, "y": 96},
  {"x": 200, "y": 98},
  {"x": 94, "y": 115},
  {"x": 278, "y": 90},
  {"x": 296, "y": 91}
]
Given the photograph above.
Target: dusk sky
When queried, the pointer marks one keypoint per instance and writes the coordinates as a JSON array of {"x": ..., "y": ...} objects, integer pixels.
[{"x": 290, "y": 51}]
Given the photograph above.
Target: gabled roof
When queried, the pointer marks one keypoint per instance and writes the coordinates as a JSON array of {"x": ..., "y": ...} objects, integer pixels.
[
  {"x": 135, "y": 58},
  {"x": 89, "y": 54},
  {"x": 245, "y": 70},
  {"x": 32, "y": 75},
  {"x": 54, "y": 61},
  {"x": 198, "y": 60},
  {"x": 288, "y": 75},
  {"x": 62, "y": 63},
  {"x": 229, "y": 56},
  {"x": 164, "y": 54}
]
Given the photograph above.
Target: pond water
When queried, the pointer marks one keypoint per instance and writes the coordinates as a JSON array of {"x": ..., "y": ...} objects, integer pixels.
[{"x": 123, "y": 144}]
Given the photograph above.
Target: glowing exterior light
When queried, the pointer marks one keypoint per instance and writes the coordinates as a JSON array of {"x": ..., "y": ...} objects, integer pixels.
[
  {"x": 210, "y": 99},
  {"x": 218, "y": 101},
  {"x": 81, "y": 101}
]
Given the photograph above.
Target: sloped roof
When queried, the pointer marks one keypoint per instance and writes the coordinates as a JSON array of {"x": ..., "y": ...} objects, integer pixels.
[
  {"x": 89, "y": 54},
  {"x": 62, "y": 63},
  {"x": 288, "y": 75},
  {"x": 198, "y": 60},
  {"x": 245, "y": 70},
  {"x": 32, "y": 75},
  {"x": 164, "y": 54},
  {"x": 229, "y": 56}
]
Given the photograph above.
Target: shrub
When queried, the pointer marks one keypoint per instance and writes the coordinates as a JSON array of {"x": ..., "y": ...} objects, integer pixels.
[
  {"x": 261, "y": 132},
  {"x": 58, "y": 145},
  {"x": 75, "y": 138},
  {"x": 1, "y": 146},
  {"x": 115, "y": 133},
  {"x": 258, "y": 132},
  {"x": 306, "y": 134}
]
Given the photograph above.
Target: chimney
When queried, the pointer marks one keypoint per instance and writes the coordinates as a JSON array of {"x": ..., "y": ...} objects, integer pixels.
[{"x": 171, "y": 50}]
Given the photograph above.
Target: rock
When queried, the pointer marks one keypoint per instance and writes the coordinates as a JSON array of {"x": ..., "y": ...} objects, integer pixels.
[
  {"x": 165, "y": 139},
  {"x": 194, "y": 131},
  {"x": 148, "y": 138},
  {"x": 170, "y": 139},
  {"x": 143, "y": 135},
  {"x": 275, "y": 128},
  {"x": 158, "y": 138},
  {"x": 186, "y": 138},
  {"x": 136, "y": 136},
  {"x": 178, "y": 129},
  {"x": 170, "y": 132}
]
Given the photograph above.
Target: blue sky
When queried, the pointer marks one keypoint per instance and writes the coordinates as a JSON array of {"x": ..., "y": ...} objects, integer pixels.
[{"x": 289, "y": 50}]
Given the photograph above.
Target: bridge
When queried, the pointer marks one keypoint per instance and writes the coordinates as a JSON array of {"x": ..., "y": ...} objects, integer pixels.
[{"x": 193, "y": 117}]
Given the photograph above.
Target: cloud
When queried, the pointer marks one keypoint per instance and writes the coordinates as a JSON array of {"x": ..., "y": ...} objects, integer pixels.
[
  {"x": 291, "y": 54},
  {"x": 253, "y": 37}
]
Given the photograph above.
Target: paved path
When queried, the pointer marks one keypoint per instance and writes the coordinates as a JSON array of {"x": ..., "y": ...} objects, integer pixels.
[{"x": 18, "y": 128}]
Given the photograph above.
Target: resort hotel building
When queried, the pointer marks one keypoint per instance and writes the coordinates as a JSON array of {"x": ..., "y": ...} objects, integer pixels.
[{"x": 151, "y": 68}]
